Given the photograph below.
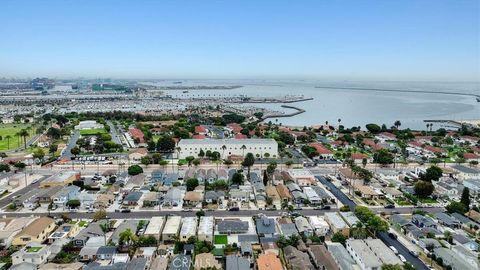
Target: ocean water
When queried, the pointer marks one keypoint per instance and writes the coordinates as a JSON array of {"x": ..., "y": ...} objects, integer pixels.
[{"x": 354, "y": 108}]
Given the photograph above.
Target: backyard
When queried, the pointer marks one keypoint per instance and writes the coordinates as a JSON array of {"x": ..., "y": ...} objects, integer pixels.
[
  {"x": 221, "y": 239},
  {"x": 13, "y": 141}
]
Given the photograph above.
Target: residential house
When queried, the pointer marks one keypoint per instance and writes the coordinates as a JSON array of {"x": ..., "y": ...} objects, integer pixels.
[
  {"x": 174, "y": 197},
  {"x": 10, "y": 228},
  {"x": 205, "y": 229},
  {"x": 92, "y": 230},
  {"x": 172, "y": 228},
  {"x": 154, "y": 227},
  {"x": 37, "y": 231},
  {"x": 284, "y": 193},
  {"x": 132, "y": 199},
  {"x": 265, "y": 227},
  {"x": 104, "y": 201},
  {"x": 303, "y": 226},
  {"x": 337, "y": 224},
  {"x": 298, "y": 259},
  {"x": 189, "y": 228},
  {"x": 322, "y": 258},
  {"x": 319, "y": 225},
  {"x": 423, "y": 221},
  {"x": 232, "y": 226},
  {"x": 128, "y": 224},
  {"x": 452, "y": 259},
  {"x": 106, "y": 252},
  {"x": 288, "y": 229},
  {"x": 272, "y": 194},
  {"x": 193, "y": 198},
  {"x": 447, "y": 220},
  {"x": 237, "y": 195},
  {"x": 65, "y": 194},
  {"x": 213, "y": 196},
  {"x": 33, "y": 253},
  {"x": 363, "y": 255},
  {"x": 341, "y": 256},
  {"x": 234, "y": 262},
  {"x": 65, "y": 231}
]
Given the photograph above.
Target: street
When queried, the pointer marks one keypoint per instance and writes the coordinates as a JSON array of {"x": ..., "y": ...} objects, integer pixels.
[
  {"x": 66, "y": 154},
  {"x": 416, "y": 262}
]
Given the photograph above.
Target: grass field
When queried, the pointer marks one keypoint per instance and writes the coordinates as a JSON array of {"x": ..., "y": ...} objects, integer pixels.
[
  {"x": 221, "y": 239},
  {"x": 95, "y": 131},
  {"x": 12, "y": 129}
]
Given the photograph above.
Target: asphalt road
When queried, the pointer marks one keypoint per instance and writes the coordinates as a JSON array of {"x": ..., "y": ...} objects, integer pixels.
[
  {"x": 149, "y": 214},
  {"x": 416, "y": 262},
  {"x": 114, "y": 133},
  {"x": 71, "y": 143},
  {"x": 7, "y": 200}
]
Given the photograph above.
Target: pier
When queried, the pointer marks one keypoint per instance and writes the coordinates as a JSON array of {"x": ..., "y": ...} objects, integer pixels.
[{"x": 296, "y": 112}]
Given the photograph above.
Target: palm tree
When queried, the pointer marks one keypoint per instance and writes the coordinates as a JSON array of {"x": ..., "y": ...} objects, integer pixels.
[
  {"x": 127, "y": 237},
  {"x": 397, "y": 124},
  {"x": 18, "y": 138},
  {"x": 243, "y": 150},
  {"x": 105, "y": 229},
  {"x": 8, "y": 137},
  {"x": 224, "y": 147},
  {"x": 339, "y": 120},
  {"x": 24, "y": 134}
]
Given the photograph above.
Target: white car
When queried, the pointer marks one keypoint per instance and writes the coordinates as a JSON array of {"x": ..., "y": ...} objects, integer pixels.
[
  {"x": 394, "y": 249},
  {"x": 402, "y": 258}
]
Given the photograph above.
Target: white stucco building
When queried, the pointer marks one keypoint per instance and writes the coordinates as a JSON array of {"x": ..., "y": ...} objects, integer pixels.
[{"x": 229, "y": 147}]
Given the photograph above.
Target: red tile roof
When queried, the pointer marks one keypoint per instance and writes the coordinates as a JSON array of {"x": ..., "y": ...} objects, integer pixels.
[
  {"x": 470, "y": 156},
  {"x": 199, "y": 136},
  {"x": 357, "y": 156},
  {"x": 137, "y": 133},
  {"x": 236, "y": 128},
  {"x": 200, "y": 129},
  {"x": 240, "y": 136},
  {"x": 372, "y": 144},
  {"x": 322, "y": 150},
  {"x": 434, "y": 149}
]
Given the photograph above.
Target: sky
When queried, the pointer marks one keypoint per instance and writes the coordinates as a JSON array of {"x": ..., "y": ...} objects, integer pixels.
[{"x": 411, "y": 40}]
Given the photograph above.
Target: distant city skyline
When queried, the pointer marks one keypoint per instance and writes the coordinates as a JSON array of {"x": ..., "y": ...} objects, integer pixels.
[{"x": 321, "y": 40}]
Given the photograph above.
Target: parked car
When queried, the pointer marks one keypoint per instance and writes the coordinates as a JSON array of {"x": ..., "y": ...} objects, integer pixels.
[
  {"x": 394, "y": 249},
  {"x": 402, "y": 258},
  {"x": 390, "y": 206},
  {"x": 126, "y": 211}
]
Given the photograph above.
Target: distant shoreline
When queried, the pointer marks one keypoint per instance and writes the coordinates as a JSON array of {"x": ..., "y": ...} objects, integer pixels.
[{"x": 400, "y": 91}]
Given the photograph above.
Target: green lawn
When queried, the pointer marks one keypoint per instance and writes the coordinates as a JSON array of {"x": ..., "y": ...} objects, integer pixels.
[
  {"x": 155, "y": 138},
  {"x": 14, "y": 141},
  {"x": 428, "y": 200},
  {"x": 221, "y": 239},
  {"x": 95, "y": 131},
  {"x": 34, "y": 249}
]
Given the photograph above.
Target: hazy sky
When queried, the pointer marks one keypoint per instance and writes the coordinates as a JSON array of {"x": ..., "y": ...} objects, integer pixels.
[{"x": 380, "y": 40}]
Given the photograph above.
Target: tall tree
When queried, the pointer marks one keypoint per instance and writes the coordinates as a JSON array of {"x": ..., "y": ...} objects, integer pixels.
[
  {"x": 24, "y": 134},
  {"x": 465, "y": 200},
  {"x": 8, "y": 137},
  {"x": 248, "y": 162},
  {"x": 397, "y": 124}
]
